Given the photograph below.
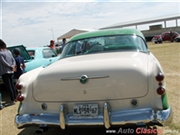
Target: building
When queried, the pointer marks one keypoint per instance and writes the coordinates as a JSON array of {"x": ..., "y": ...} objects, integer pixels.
[{"x": 153, "y": 29}]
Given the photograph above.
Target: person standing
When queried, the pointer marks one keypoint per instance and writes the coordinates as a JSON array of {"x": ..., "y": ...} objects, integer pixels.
[
  {"x": 171, "y": 36},
  {"x": 85, "y": 46},
  {"x": 78, "y": 48},
  {"x": 20, "y": 65},
  {"x": 7, "y": 68},
  {"x": 52, "y": 46},
  {"x": 63, "y": 43}
]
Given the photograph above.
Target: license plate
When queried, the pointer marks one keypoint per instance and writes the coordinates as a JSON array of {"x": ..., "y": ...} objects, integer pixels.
[{"x": 85, "y": 110}]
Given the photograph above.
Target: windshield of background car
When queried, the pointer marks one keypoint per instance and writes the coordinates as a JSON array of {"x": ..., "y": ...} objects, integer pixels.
[
  {"x": 104, "y": 44},
  {"x": 48, "y": 53}
]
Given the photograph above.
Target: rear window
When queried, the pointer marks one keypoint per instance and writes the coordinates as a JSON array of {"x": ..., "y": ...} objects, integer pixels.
[{"x": 117, "y": 43}]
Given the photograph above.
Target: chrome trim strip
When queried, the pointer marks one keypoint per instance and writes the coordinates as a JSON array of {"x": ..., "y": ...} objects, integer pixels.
[
  {"x": 106, "y": 116},
  {"x": 78, "y": 78},
  {"x": 146, "y": 115},
  {"x": 61, "y": 118}
]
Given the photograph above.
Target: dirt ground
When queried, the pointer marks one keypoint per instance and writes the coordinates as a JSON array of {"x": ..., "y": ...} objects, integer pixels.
[{"x": 169, "y": 56}]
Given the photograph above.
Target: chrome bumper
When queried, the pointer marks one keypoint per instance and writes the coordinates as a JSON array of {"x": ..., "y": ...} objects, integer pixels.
[{"x": 138, "y": 116}]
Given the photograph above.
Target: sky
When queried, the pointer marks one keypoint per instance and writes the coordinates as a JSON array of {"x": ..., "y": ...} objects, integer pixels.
[{"x": 36, "y": 22}]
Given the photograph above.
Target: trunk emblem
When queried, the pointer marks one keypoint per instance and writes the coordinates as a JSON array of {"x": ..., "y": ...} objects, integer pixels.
[{"x": 83, "y": 79}]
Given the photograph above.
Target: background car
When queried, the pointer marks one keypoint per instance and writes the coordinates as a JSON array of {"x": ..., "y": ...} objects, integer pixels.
[
  {"x": 116, "y": 80},
  {"x": 42, "y": 57},
  {"x": 165, "y": 36}
]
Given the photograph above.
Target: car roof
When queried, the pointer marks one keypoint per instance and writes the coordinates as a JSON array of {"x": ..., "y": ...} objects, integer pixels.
[
  {"x": 36, "y": 48},
  {"x": 107, "y": 32}
]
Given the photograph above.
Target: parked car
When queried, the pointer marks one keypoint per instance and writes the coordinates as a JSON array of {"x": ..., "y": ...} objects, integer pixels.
[
  {"x": 165, "y": 36},
  {"x": 116, "y": 81},
  {"x": 43, "y": 56}
]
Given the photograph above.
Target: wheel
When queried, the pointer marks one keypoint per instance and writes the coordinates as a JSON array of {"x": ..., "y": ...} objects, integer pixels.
[{"x": 177, "y": 39}]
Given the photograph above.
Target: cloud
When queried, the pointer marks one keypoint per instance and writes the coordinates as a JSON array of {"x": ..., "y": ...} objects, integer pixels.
[{"x": 32, "y": 23}]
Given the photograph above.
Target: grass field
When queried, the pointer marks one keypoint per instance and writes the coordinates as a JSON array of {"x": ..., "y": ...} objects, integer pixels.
[{"x": 169, "y": 56}]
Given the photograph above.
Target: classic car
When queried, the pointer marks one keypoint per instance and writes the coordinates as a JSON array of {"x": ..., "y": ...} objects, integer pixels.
[
  {"x": 115, "y": 81},
  {"x": 165, "y": 36},
  {"x": 43, "y": 56}
]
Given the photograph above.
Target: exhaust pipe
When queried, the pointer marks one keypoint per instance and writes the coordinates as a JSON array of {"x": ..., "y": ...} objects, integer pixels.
[
  {"x": 39, "y": 131},
  {"x": 42, "y": 128}
]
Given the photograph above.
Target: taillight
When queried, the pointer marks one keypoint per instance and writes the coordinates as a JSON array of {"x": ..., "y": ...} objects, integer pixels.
[
  {"x": 20, "y": 97},
  {"x": 159, "y": 77},
  {"x": 18, "y": 86},
  {"x": 160, "y": 90}
]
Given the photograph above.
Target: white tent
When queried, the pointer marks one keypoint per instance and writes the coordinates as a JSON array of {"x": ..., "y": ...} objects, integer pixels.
[{"x": 73, "y": 32}]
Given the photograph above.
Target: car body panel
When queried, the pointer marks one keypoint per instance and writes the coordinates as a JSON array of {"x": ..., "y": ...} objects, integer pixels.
[
  {"x": 113, "y": 86},
  {"x": 125, "y": 64},
  {"x": 106, "y": 33}
]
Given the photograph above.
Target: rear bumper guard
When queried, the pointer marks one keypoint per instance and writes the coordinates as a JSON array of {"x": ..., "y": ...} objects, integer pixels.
[{"x": 147, "y": 115}]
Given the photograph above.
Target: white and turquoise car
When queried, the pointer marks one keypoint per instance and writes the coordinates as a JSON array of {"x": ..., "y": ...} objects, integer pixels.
[{"x": 113, "y": 79}]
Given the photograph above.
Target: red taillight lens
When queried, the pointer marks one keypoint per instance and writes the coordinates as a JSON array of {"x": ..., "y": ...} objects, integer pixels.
[
  {"x": 20, "y": 97},
  {"x": 159, "y": 77},
  {"x": 18, "y": 86},
  {"x": 160, "y": 84},
  {"x": 160, "y": 90}
]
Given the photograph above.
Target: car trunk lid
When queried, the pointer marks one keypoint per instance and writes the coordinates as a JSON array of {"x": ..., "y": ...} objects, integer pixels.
[
  {"x": 107, "y": 76},
  {"x": 24, "y": 54}
]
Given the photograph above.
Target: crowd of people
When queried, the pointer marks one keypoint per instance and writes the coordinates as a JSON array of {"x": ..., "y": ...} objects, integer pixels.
[{"x": 11, "y": 67}]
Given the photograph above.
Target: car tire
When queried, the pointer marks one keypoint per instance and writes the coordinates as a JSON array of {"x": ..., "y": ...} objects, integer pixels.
[{"x": 177, "y": 40}]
